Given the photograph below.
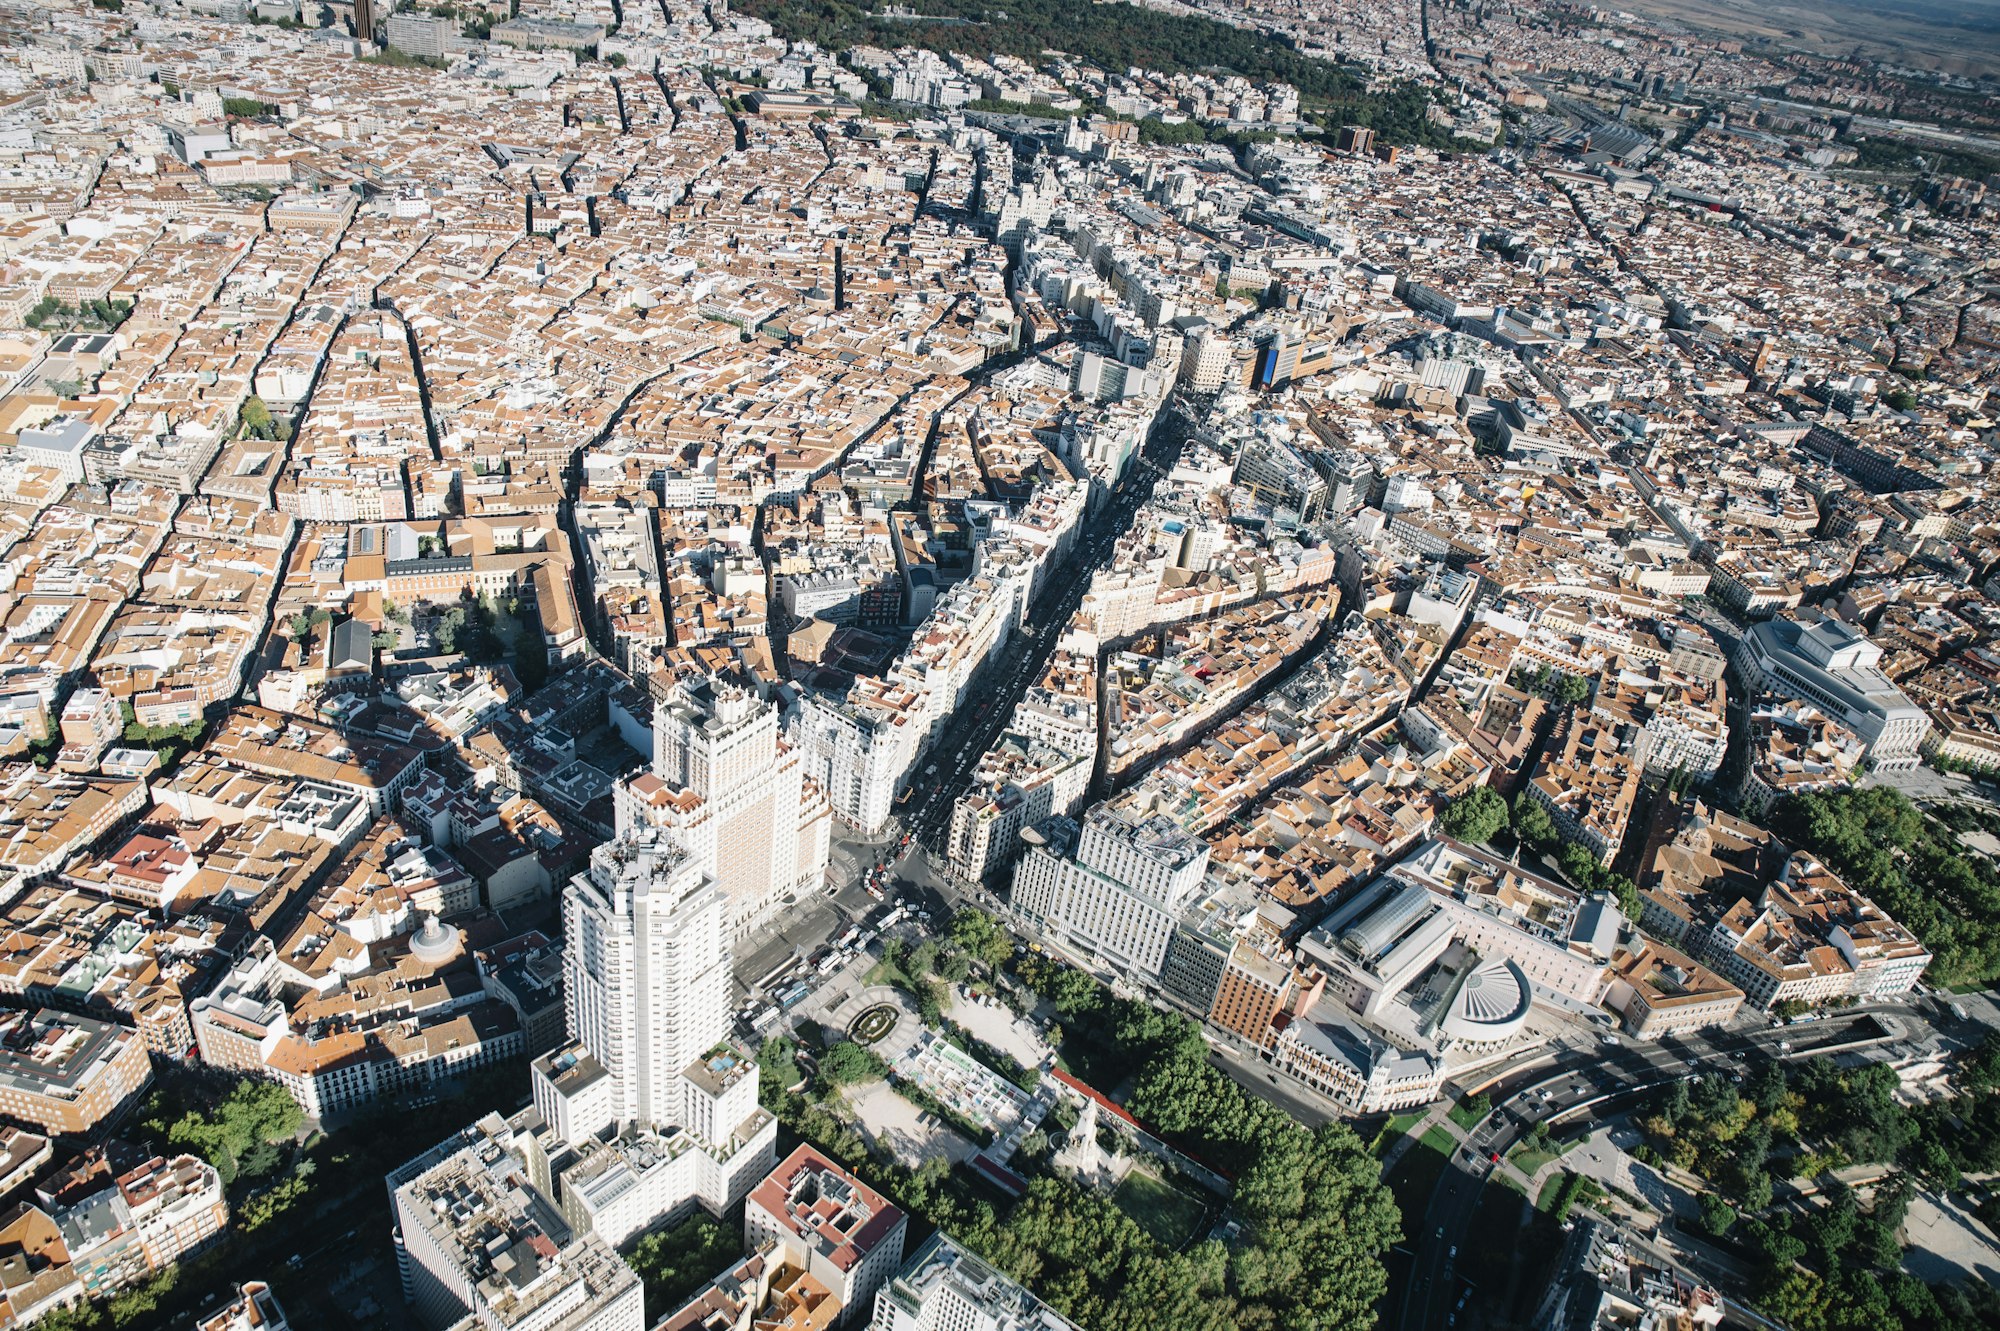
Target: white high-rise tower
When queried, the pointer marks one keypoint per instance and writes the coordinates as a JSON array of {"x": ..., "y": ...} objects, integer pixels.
[
  {"x": 726, "y": 786},
  {"x": 647, "y": 966},
  {"x": 651, "y": 1106}
]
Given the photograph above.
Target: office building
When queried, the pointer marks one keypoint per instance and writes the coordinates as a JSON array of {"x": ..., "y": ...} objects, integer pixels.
[
  {"x": 646, "y": 1112},
  {"x": 1833, "y": 666},
  {"x": 477, "y": 1246},
  {"x": 418, "y": 34},
  {"x": 1111, "y": 891},
  {"x": 858, "y": 755},
  {"x": 650, "y": 1108},
  {"x": 63, "y": 1074},
  {"x": 728, "y": 788},
  {"x": 1253, "y": 988},
  {"x": 1282, "y": 475},
  {"x": 647, "y": 968}
]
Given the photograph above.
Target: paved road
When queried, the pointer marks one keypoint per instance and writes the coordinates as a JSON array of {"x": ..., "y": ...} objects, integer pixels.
[
  {"x": 971, "y": 732},
  {"x": 802, "y": 926},
  {"x": 1254, "y": 1075}
]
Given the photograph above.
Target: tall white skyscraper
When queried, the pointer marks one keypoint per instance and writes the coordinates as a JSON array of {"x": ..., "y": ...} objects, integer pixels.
[
  {"x": 650, "y": 1107},
  {"x": 649, "y": 1110},
  {"x": 647, "y": 965},
  {"x": 726, "y": 786}
]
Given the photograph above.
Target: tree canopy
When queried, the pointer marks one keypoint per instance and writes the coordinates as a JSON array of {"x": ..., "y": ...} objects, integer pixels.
[
  {"x": 1836, "y": 1267},
  {"x": 1317, "y": 1218},
  {"x": 256, "y": 418},
  {"x": 1118, "y": 37},
  {"x": 1881, "y": 844},
  {"x": 847, "y": 1063},
  {"x": 980, "y": 936},
  {"x": 1318, "y": 1215},
  {"x": 241, "y": 1134},
  {"x": 1477, "y": 815},
  {"x": 675, "y": 1262}
]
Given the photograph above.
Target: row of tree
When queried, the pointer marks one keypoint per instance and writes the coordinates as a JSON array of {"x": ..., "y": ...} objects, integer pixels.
[
  {"x": 243, "y": 1133},
  {"x": 1885, "y": 848},
  {"x": 99, "y": 315}
]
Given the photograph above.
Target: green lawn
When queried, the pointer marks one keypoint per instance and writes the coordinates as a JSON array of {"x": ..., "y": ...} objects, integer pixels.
[
  {"x": 1416, "y": 1175},
  {"x": 884, "y": 973},
  {"x": 1466, "y": 1118},
  {"x": 1163, "y": 1211},
  {"x": 1528, "y": 1159},
  {"x": 1392, "y": 1132},
  {"x": 1587, "y": 1191}
]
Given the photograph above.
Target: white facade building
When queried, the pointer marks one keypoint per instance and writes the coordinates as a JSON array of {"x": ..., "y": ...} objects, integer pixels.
[
  {"x": 1115, "y": 902},
  {"x": 647, "y": 969},
  {"x": 477, "y": 1248},
  {"x": 1833, "y": 666},
  {"x": 650, "y": 1108},
  {"x": 858, "y": 756},
  {"x": 946, "y": 1288}
]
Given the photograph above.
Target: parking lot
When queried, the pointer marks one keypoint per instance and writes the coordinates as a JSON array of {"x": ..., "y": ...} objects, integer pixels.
[
  {"x": 1925, "y": 783},
  {"x": 1603, "y": 1157}
]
